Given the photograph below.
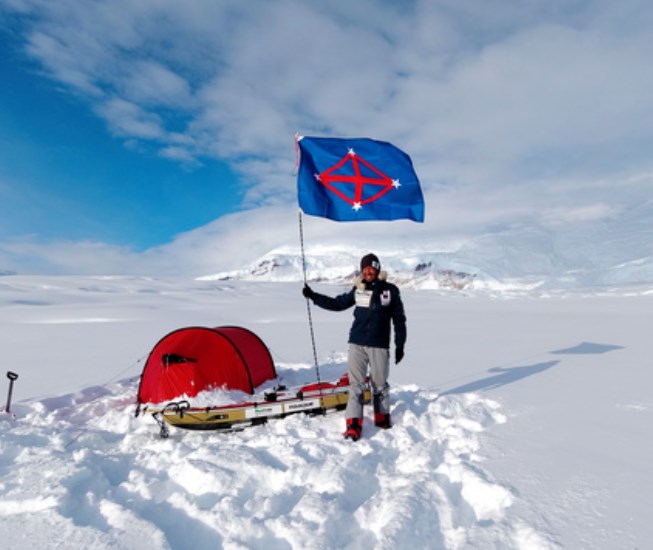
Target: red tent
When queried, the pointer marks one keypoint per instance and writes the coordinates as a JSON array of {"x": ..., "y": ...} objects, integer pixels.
[{"x": 190, "y": 360}]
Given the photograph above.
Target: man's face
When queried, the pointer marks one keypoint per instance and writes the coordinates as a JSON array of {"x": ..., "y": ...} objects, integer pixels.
[{"x": 369, "y": 274}]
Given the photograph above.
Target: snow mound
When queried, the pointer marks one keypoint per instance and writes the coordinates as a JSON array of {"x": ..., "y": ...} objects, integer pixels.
[{"x": 98, "y": 477}]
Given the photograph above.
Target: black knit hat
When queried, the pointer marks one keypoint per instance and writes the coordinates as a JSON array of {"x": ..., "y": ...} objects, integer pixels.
[{"x": 370, "y": 260}]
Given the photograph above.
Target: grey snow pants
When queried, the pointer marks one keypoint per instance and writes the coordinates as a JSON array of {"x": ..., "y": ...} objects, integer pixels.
[{"x": 378, "y": 360}]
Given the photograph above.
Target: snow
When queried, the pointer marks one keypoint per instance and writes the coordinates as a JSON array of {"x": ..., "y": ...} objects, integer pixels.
[{"x": 522, "y": 420}]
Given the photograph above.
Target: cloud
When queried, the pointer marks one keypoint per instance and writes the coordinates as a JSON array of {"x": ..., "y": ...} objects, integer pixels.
[
  {"x": 180, "y": 154},
  {"x": 497, "y": 95},
  {"x": 30, "y": 255},
  {"x": 130, "y": 120},
  {"x": 587, "y": 213},
  {"x": 488, "y": 230},
  {"x": 151, "y": 83}
]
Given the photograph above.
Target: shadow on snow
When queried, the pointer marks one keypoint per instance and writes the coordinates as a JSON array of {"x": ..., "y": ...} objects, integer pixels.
[
  {"x": 508, "y": 375},
  {"x": 503, "y": 376},
  {"x": 587, "y": 348}
]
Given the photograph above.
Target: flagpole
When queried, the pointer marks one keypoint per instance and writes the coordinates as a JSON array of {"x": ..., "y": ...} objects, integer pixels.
[{"x": 308, "y": 302}]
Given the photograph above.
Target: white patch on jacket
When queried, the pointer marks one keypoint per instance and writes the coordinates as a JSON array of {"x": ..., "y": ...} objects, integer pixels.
[{"x": 364, "y": 296}]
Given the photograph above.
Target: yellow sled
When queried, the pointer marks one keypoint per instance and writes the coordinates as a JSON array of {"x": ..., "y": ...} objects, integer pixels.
[{"x": 317, "y": 398}]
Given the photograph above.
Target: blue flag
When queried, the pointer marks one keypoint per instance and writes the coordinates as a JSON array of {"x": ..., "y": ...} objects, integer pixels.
[{"x": 357, "y": 179}]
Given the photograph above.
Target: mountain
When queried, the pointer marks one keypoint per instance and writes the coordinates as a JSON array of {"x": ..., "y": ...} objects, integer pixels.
[
  {"x": 518, "y": 259},
  {"x": 340, "y": 266}
]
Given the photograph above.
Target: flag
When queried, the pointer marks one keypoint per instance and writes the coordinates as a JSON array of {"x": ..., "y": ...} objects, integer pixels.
[{"x": 357, "y": 179}]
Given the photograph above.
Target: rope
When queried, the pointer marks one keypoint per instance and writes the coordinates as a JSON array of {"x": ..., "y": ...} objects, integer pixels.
[
  {"x": 123, "y": 371},
  {"x": 84, "y": 429},
  {"x": 308, "y": 301}
]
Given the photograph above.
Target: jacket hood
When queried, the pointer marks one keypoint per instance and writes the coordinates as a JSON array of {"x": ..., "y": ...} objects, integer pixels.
[{"x": 360, "y": 283}]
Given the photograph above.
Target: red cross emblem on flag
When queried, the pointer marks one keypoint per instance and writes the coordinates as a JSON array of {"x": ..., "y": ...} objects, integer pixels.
[
  {"x": 356, "y": 181},
  {"x": 356, "y": 186}
]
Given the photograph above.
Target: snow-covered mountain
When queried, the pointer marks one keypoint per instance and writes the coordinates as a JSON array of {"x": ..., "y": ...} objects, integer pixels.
[
  {"x": 340, "y": 265},
  {"x": 581, "y": 250},
  {"x": 518, "y": 259}
]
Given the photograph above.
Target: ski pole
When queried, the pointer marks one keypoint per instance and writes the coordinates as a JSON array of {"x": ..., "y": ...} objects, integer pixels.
[{"x": 12, "y": 378}]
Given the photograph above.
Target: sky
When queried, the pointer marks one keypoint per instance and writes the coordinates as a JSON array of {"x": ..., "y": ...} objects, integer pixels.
[{"x": 140, "y": 136}]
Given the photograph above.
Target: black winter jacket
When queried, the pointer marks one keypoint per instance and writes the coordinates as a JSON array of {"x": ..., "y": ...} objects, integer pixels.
[{"x": 377, "y": 304}]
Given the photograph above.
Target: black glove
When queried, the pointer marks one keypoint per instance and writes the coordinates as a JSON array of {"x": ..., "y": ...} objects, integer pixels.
[
  {"x": 399, "y": 354},
  {"x": 307, "y": 291}
]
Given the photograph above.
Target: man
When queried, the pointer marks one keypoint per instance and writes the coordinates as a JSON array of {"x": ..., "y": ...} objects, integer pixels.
[{"x": 378, "y": 303}]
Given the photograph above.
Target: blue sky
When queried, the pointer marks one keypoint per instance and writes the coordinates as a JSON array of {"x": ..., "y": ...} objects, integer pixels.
[
  {"x": 74, "y": 180},
  {"x": 144, "y": 134}
]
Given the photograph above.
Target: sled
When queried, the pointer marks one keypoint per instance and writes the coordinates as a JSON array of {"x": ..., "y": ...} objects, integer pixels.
[{"x": 316, "y": 399}]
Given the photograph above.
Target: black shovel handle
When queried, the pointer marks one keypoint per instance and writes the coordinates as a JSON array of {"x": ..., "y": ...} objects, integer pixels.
[{"x": 12, "y": 376}]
